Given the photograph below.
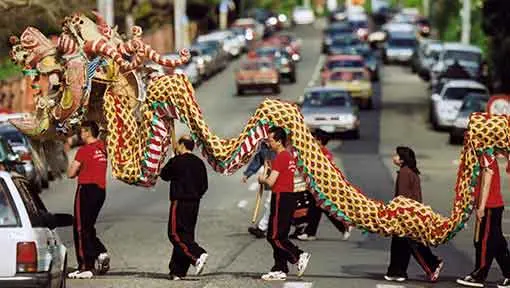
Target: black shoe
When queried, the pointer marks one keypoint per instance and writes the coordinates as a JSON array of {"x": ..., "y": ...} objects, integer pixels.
[{"x": 255, "y": 231}]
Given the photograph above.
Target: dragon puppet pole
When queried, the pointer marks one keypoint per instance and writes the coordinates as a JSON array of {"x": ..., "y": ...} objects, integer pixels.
[
  {"x": 259, "y": 195},
  {"x": 174, "y": 141}
]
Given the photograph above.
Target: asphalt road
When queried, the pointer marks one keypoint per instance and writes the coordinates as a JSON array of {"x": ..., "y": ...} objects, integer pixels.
[{"x": 133, "y": 221}]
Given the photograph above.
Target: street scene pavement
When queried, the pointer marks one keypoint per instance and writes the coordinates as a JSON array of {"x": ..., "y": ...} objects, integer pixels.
[{"x": 133, "y": 221}]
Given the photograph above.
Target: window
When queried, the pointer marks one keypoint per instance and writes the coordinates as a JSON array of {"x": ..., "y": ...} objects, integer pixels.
[
  {"x": 13, "y": 137},
  {"x": 345, "y": 64},
  {"x": 326, "y": 98},
  {"x": 475, "y": 102},
  {"x": 402, "y": 42},
  {"x": 461, "y": 92},
  {"x": 462, "y": 56},
  {"x": 347, "y": 76},
  {"x": 33, "y": 203},
  {"x": 8, "y": 214}
]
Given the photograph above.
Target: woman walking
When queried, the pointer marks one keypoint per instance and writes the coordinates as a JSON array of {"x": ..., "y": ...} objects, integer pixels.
[{"x": 408, "y": 185}]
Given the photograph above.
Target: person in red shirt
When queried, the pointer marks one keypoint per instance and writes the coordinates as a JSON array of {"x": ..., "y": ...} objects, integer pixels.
[
  {"x": 283, "y": 204},
  {"x": 89, "y": 166},
  {"x": 315, "y": 212},
  {"x": 490, "y": 242}
]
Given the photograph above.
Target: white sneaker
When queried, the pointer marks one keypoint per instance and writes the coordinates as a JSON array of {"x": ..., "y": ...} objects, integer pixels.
[
  {"x": 347, "y": 233},
  {"x": 103, "y": 263},
  {"x": 397, "y": 279},
  {"x": 81, "y": 275},
  {"x": 199, "y": 265},
  {"x": 305, "y": 237},
  {"x": 274, "y": 276},
  {"x": 302, "y": 263}
]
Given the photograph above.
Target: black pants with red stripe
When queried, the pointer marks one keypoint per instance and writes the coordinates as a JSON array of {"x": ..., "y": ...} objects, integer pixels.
[
  {"x": 491, "y": 244},
  {"x": 181, "y": 232},
  {"x": 401, "y": 250},
  {"x": 88, "y": 201},
  {"x": 280, "y": 218},
  {"x": 314, "y": 218}
]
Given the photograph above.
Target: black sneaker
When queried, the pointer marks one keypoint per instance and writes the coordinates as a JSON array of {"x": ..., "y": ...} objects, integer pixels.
[
  {"x": 504, "y": 284},
  {"x": 255, "y": 231},
  {"x": 470, "y": 282}
]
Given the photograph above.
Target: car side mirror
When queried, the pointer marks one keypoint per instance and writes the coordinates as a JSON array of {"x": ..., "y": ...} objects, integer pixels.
[{"x": 436, "y": 97}]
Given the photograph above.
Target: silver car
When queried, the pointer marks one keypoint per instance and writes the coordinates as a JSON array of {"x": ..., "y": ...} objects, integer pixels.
[
  {"x": 330, "y": 110},
  {"x": 446, "y": 104},
  {"x": 469, "y": 57},
  {"x": 473, "y": 102}
]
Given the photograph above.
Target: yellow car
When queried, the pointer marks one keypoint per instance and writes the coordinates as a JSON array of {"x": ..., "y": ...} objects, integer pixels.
[{"x": 356, "y": 81}]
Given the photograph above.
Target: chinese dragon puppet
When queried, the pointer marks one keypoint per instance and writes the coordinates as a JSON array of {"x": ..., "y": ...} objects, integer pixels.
[{"x": 95, "y": 74}]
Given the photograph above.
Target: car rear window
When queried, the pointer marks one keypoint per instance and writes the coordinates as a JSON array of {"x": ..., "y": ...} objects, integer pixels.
[
  {"x": 9, "y": 216},
  {"x": 33, "y": 203},
  {"x": 13, "y": 137},
  {"x": 346, "y": 76},
  {"x": 326, "y": 98},
  {"x": 345, "y": 64},
  {"x": 460, "y": 93}
]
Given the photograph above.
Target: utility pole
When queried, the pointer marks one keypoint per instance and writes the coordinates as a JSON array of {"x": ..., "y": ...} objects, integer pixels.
[
  {"x": 105, "y": 9},
  {"x": 426, "y": 8},
  {"x": 466, "y": 21},
  {"x": 179, "y": 13}
]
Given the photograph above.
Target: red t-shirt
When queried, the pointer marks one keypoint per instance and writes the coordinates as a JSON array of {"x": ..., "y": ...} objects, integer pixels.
[
  {"x": 285, "y": 164},
  {"x": 495, "y": 198},
  {"x": 93, "y": 161},
  {"x": 327, "y": 153}
]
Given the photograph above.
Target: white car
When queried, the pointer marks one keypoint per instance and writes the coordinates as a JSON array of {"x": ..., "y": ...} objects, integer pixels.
[
  {"x": 303, "y": 16},
  {"x": 231, "y": 43},
  {"x": 445, "y": 106},
  {"x": 469, "y": 57},
  {"x": 32, "y": 253}
]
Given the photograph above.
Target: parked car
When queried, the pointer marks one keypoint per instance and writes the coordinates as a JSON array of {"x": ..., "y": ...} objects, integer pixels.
[
  {"x": 281, "y": 59},
  {"x": 190, "y": 69},
  {"x": 202, "y": 57},
  {"x": 359, "y": 22},
  {"x": 33, "y": 254},
  {"x": 220, "y": 57},
  {"x": 425, "y": 57},
  {"x": 253, "y": 29},
  {"x": 9, "y": 160},
  {"x": 446, "y": 104},
  {"x": 36, "y": 170},
  {"x": 330, "y": 110},
  {"x": 258, "y": 73},
  {"x": 468, "y": 56},
  {"x": 240, "y": 34},
  {"x": 338, "y": 45},
  {"x": 303, "y": 15},
  {"x": 356, "y": 81},
  {"x": 473, "y": 102},
  {"x": 230, "y": 43},
  {"x": 290, "y": 42}
]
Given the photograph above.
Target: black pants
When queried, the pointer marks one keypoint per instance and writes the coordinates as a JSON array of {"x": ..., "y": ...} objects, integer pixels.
[
  {"x": 401, "y": 250},
  {"x": 282, "y": 210},
  {"x": 491, "y": 244},
  {"x": 88, "y": 201},
  {"x": 314, "y": 218},
  {"x": 181, "y": 232}
]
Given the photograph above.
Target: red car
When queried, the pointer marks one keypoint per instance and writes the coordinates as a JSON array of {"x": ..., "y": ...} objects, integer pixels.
[
  {"x": 257, "y": 73},
  {"x": 341, "y": 61},
  {"x": 291, "y": 44}
]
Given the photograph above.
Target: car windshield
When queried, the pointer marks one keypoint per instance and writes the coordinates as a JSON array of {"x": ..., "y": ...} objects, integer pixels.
[
  {"x": 345, "y": 41},
  {"x": 402, "y": 42},
  {"x": 257, "y": 66},
  {"x": 359, "y": 24},
  {"x": 467, "y": 56},
  {"x": 458, "y": 93},
  {"x": 13, "y": 137},
  {"x": 475, "y": 102},
  {"x": 8, "y": 214},
  {"x": 345, "y": 64},
  {"x": 267, "y": 52},
  {"x": 326, "y": 98},
  {"x": 346, "y": 76}
]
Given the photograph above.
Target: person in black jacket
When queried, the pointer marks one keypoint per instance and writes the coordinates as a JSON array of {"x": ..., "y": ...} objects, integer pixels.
[{"x": 188, "y": 183}]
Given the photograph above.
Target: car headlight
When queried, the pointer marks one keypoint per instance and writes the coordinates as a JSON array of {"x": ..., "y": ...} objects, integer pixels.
[
  {"x": 282, "y": 18},
  {"x": 208, "y": 58},
  {"x": 328, "y": 41},
  {"x": 348, "y": 118},
  {"x": 284, "y": 61}
]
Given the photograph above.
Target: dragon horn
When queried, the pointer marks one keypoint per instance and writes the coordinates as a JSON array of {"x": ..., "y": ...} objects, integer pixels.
[{"x": 99, "y": 19}]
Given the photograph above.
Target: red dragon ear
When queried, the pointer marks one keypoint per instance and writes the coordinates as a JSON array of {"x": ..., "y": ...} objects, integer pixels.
[{"x": 14, "y": 40}]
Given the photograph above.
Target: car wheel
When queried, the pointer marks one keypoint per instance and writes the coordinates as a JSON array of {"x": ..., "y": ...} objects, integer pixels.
[
  {"x": 240, "y": 91},
  {"x": 276, "y": 89},
  {"x": 355, "y": 134},
  {"x": 45, "y": 184}
]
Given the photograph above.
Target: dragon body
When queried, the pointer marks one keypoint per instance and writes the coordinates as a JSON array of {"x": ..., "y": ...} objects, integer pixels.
[{"x": 139, "y": 122}]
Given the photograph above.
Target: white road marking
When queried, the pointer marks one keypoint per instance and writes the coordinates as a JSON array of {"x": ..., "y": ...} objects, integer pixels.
[
  {"x": 297, "y": 285},
  {"x": 254, "y": 186},
  {"x": 316, "y": 71},
  {"x": 241, "y": 204},
  {"x": 388, "y": 286}
]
